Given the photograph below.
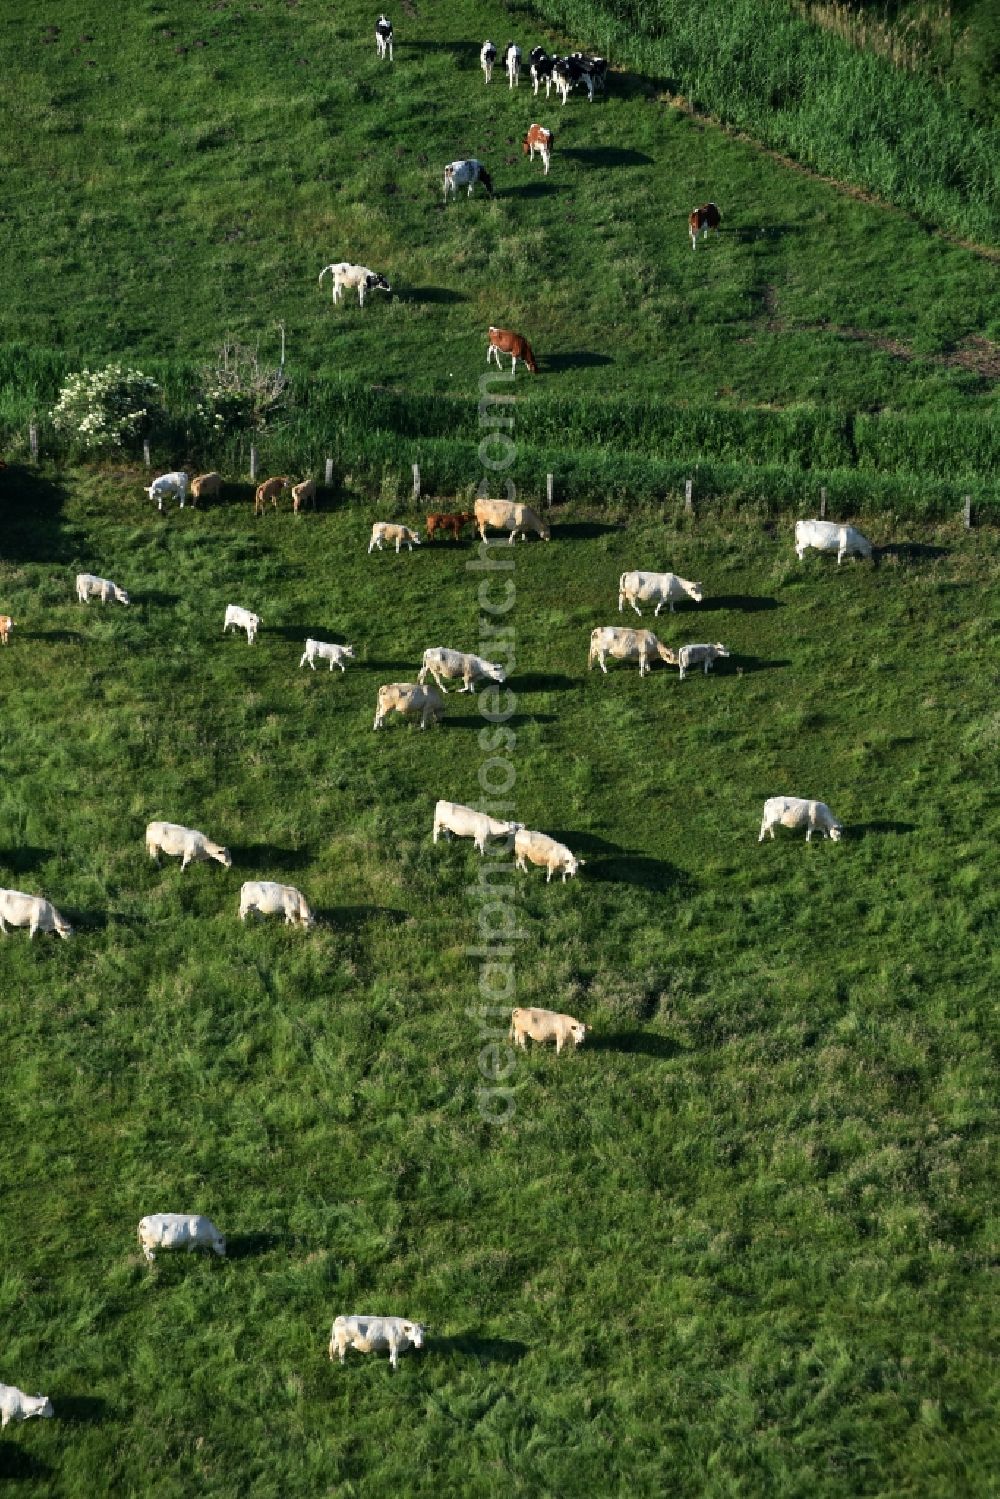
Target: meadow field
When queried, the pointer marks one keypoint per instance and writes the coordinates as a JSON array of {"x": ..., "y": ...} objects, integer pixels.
[{"x": 739, "y": 1243}]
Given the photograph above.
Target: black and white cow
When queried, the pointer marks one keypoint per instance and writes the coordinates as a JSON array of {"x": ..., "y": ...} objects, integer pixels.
[
  {"x": 383, "y": 37},
  {"x": 540, "y": 67},
  {"x": 487, "y": 57},
  {"x": 512, "y": 63},
  {"x": 591, "y": 72},
  {"x": 466, "y": 174}
]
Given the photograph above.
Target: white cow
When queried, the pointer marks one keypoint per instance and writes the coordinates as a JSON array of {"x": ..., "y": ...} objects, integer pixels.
[
  {"x": 466, "y": 173},
  {"x": 186, "y": 844},
  {"x": 15, "y": 1405},
  {"x": 700, "y": 655},
  {"x": 655, "y": 588},
  {"x": 509, "y": 515},
  {"x": 179, "y": 1231},
  {"x": 168, "y": 484},
  {"x": 627, "y": 645},
  {"x": 454, "y": 820},
  {"x": 539, "y": 848},
  {"x": 242, "y": 619},
  {"x": 372, "y": 1334},
  {"x": 546, "y": 1025},
  {"x": 828, "y": 536},
  {"x": 267, "y": 898},
  {"x": 411, "y": 700},
  {"x": 32, "y": 911},
  {"x": 88, "y": 586},
  {"x": 384, "y": 530},
  {"x": 335, "y": 654},
  {"x": 357, "y": 277},
  {"x": 440, "y": 662},
  {"x": 798, "y": 812},
  {"x": 487, "y": 57}
]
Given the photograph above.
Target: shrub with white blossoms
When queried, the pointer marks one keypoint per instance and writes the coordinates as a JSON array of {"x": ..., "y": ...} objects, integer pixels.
[{"x": 106, "y": 408}]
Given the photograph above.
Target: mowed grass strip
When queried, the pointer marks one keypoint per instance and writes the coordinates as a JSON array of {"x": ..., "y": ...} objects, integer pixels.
[{"x": 740, "y": 1240}]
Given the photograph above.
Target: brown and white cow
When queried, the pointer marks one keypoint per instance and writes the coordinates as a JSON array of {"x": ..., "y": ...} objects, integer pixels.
[
  {"x": 701, "y": 220},
  {"x": 505, "y": 341},
  {"x": 538, "y": 139}
]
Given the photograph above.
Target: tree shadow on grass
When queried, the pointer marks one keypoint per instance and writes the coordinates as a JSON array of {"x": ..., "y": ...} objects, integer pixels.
[
  {"x": 575, "y": 359},
  {"x": 634, "y": 1043},
  {"x": 31, "y": 510},
  {"x": 269, "y": 855},
  {"x": 16, "y": 1465},
  {"x": 250, "y": 1246},
  {"x": 81, "y": 1410},
  {"x": 607, "y": 156},
  {"x": 745, "y": 602},
  {"x": 486, "y": 1350},
  {"x": 858, "y": 831}
]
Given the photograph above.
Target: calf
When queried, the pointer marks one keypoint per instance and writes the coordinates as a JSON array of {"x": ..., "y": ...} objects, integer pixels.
[
  {"x": 205, "y": 487},
  {"x": 700, "y": 655},
  {"x": 797, "y": 812},
  {"x": 539, "y": 848},
  {"x": 829, "y": 536},
  {"x": 358, "y": 277},
  {"x": 455, "y": 820},
  {"x": 487, "y": 57},
  {"x": 268, "y": 898},
  {"x": 187, "y": 844},
  {"x": 383, "y": 37},
  {"x": 6, "y": 625},
  {"x": 409, "y": 700},
  {"x": 384, "y": 530},
  {"x": 441, "y": 662},
  {"x": 505, "y": 341},
  {"x": 372, "y": 1334},
  {"x": 627, "y": 645},
  {"x": 466, "y": 174},
  {"x": 271, "y": 489},
  {"x": 335, "y": 654},
  {"x": 179, "y": 1231},
  {"x": 512, "y": 516},
  {"x": 167, "y": 484},
  {"x": 90, "y": 587},
  {"x": 32, "y": 911},
  {"x": 242, "y": 619},
  {"x": 512, "y": 64},
  {"x": 546, "y": 1025},
  {"x": 453, "y": 523},
  {"x": 538, "y": 139},
  {"x": 15, "y": 1405},
  {"x": 701, "y": 220},
  {"x": 303, "y": 494}
]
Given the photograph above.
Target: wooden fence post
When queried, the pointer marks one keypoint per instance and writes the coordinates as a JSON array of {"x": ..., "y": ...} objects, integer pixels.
[
  {"x": 329, "y": 473},
  {"x": 822, "y": 503},
  {"x": 550, "y": 484},
  {"x": 33, "y": 441},
  {"x": 967, "y": 512},
  {"x": 253, "y": 463},
  {"x": 688, "y": 497},
  {"x": 416, "y": 481}
]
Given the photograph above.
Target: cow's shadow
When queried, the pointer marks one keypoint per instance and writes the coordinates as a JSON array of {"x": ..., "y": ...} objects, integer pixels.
[
  {"x": 742, "y": 666},
  {"x": 252, "y": 1245},
  {"x": 601, "y": 157},
  {"x": 486, "y": 1350},
  {"x": 587, "y": 530},
  {"x": 354, "y": 918},
  {"x": 634, "y": 1043},
  {"x": 858, "y": 831},
  {"x": 438, "y": 296},
  {"x": 26, "y": 857},
  {"x": 910, "y": 551},
  {"x": 541, "y": 681},
  {"x": 750, "y": 233},
  {"x": 81, "y": 1410},
  {"x": 301, "y": 633},
  {"x": 575, "y": 359},
  {"x": 745, "y": 603},
  {"x": 540, "y": 189},
  {"x": 608, "y": 863},
  {"x": 394, "y": 666},
  {"x": 268, "y": 856},
  {"x": 59, "y": 637},
  {"x": 158, "y": 599},
  {"x": 19, "y": 1466}
]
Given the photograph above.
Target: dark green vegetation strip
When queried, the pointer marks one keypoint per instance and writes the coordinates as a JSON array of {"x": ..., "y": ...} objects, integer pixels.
[{"x": 739, "y": 1243}]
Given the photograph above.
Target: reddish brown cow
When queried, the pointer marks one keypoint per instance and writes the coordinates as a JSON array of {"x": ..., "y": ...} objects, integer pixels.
[
  {"x": 503, "y": 340},
  {"x": 701, "y": 220},
  {"x": 454, "y": 522},
  {"x": 538, "y": 139}
]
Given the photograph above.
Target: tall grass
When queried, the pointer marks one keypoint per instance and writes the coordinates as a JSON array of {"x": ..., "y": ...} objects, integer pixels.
[{"x": 802, "y": 90}]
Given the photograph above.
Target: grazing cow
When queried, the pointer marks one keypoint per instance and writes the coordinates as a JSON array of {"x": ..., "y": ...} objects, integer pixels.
[
  {"x": 441, "y": 662},
  {"x": 384, "y": 530},
  {"x": 187, "y": 844},
  {"x": 659, "y": 588},
  {"x": 303, "y": 494},
  {"x": 487, "y": 57},
  {"x": 567, "y": 72},
  {"x": 540, "y": 65},
  {"x": 700, "y": 655},
  {"x": 538, "y": 139},
  {"x": 179, "y": 1231},
  {"x": 466, "y": 174},
  {"x": 90, "y": 587},
  {"x": 242, "y": 619},
  {"x": 701, "y": 220},
  {"x": 271, "y": 489},
  {"x": 546, "y": 1025},
  {"x": 359, "y": 277},
  {"x": 383, "y": 37},
  {"x": 454, "y": 820},
  {"x": 268, "y": 898},
  {"x": 15, "y": 1405},
  {"x": 167, "y": 484},
  {"x": 410, "y": 700},
  {"x": 512, "y": 516},
  {"x": 335, "y": 654},
  {"x": 505, "y": 341},
  {"x": 829, "y": 536},
  {"x": 206, "y": 487},
  {"x": 372, "y": 1334},
  {"x": 627, "y": 645},
  {"x": 32, "y": 911},
  {"x": 453, "y": 522},
  {"x": 797, "y": 812},
  {"x": 539, "y": 848},
  {"x": 6, "y": 625},
  {"x": 512, "y": 64}
]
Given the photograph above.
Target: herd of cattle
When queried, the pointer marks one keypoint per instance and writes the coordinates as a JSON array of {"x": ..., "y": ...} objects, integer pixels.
[{"x": 424, "y": 702}]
